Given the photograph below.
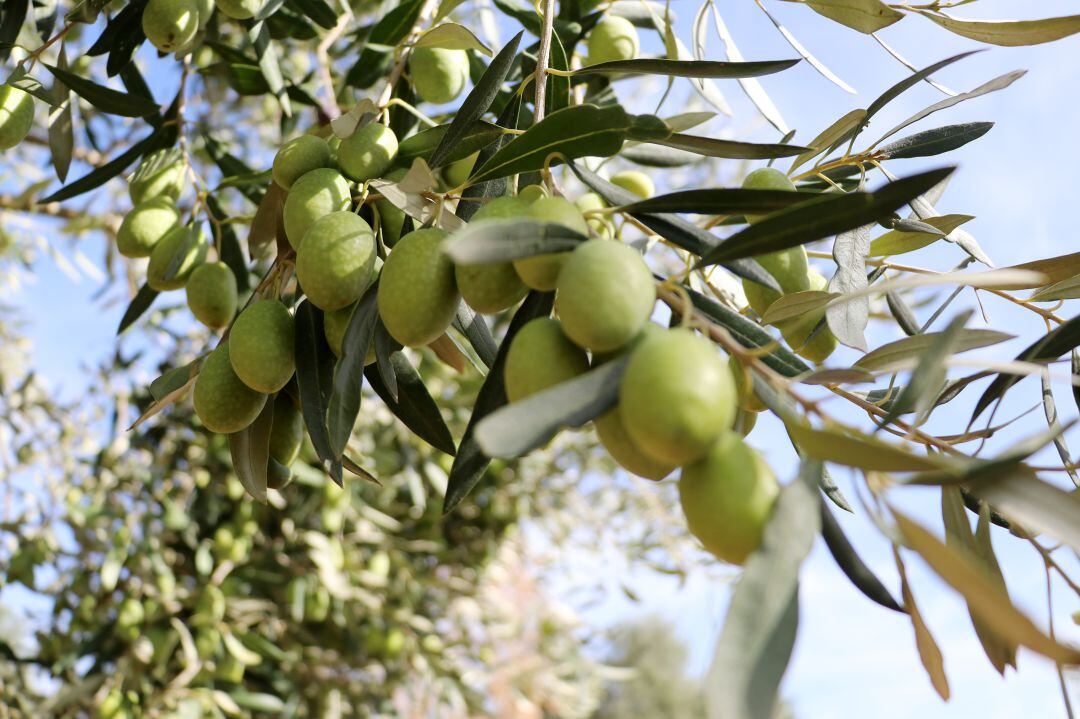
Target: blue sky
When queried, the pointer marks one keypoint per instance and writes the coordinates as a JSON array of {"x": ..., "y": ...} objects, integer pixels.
[{"x": 852, "y": 658}]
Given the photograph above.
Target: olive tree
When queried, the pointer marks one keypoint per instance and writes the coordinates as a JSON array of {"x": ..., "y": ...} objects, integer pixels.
[{"x": 420, "y": 198}]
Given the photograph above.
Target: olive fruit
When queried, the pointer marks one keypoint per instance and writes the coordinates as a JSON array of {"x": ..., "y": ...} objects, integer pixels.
[
  {"x": 212, "y": 294},
  {"x": 286, "y": 431},
  {"x": 677, "y": 396},
  {"x": 744, "y": 387},
  {"x": 335, "y": 260},
  {"x": 494, "y": 287},
  {"x": 613, "y": 38},
  {"x": 261, "y": 343},
  {"x": 223, "y": 403},
  {"x": 605, "y": 295},
  {"x": 335, "y": 323},
  {"x": 182, "y": 248},
  {"x": 623, "y": 449},
  {"x": 542, "y": 272},
  {"x": 438, "y": 74},
  {"x": 600, "y": 225},
  {"x": 531, "y": 193},
  {"x": 299, "y": 156},
  {"x": 727, "y": 497},
  {"x": 160, "y": 174},
  {"x": 634, "y": 181},
  {"x": 541, "y": 356},
  {"x": 240, "y": 9},
  {"x": 745, "y": 422},
  {"x": 799, "y": 332},
  {"x": 145, "y": 225},
  {"x": 16, "y": 116},
  {"x": 457, "y": 173},
  {"x": 368, "y": 152},
  {"x": 417, "y": 294},
  {"x": 170, "y": 24},
  {"x": 204, "y": 10},
  {"x": 315, "y": 194}
]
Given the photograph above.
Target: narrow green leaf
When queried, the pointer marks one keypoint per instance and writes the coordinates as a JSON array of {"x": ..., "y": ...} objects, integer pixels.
[
  {"x": 902, "y": 353},
  {"x": 823, "y": 217},
  {"x": 392, "y": 28},
  {"x": 14, "y": 13},
  {"x": 174, "y": 379},
  {"x": 314, "y": 380},
  {"x": 928, "y": 377},
  {"x": 490, "y": 241},
  {"x": 470, "y": 462},
  {"x": 139, "y": 304},
  {"x": 718, "y": 201},
  {"x": 104, "y": 98},
  {"x": 344, "y": 404},
  {"x": 468, "y": 206},
  {"x": 318, "y": 11},
  {"x": 476, "y": 104},
  {"x": 385, "y": 346},
  {"x": 686, "y": 68},
  {"x": 828, "y": 137},
  {"x": 898, "y": 242},
  {"x": 259, "y": 37},
  {"x": 866, "y": 16},
  {"x": 1038, "y": 506},
  {"x": 759, "y": 630},
  {"x": 934, "y": 142},
  {"x": 520, "y": 427},
  {"x": 414, "y": 406},
  {"x": 476, "y": 330},
  {"x": 852, "y": 565},
  {"x": 1063, "y": 338},
  {"x": 573, "y": 132},
  {"x": 1008, "y": 33},
  {"x": 451, "y": 36},
  {"x": 250, "y": 450},
  {"x": 731, "y": 149},
  {"x": 61, "y": 127},
  {"x": 103, "y": 173},
  {"x": 832, "y": 444}
]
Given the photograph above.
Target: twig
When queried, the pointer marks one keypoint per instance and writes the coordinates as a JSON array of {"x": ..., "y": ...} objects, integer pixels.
[{"x": 542, "y": 59}]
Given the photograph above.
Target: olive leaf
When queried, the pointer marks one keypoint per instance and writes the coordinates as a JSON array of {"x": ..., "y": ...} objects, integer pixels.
[
  {"x": 718, "y": 201},
  {"x": 686, "y": 68},
  {"x": 867, "y": 16},
  {"x": 898, "y": 242},
  {"x": 344, "y": 406},
  {"x": 835, "y": 444},
  {"x": 851, "y": 564},
  {"x": 730, "y": 149},
  {"x": 138, "y": 306},
  {"x": 847, "y": 321},
  {"x": 413, "y": 404},
  {"x": 806, "y": 54},
  {"x": 314, "y": 381},
  {"x": 250, "y": 451},
  {"x": 451, "y": 36},
  {"x": 934, "y": 142},
  {"x": 1008, "y": 33},
  {"x": 490, "y": 241},
  {"x": 902, "y": 353}
]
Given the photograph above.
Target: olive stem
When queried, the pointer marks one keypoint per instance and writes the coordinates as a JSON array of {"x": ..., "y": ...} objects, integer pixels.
[{"x": 542, "y": 59}]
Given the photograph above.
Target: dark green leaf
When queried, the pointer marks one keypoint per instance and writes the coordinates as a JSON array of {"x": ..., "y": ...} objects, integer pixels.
[
  {"x": 473, "y": 326},
  {"x": 1063, "y": 338},
  {"x": 259, "y": 37},
  {"x": 102, "y": 174},
  {"x": 349, "y": 371},
  {"x": 851, "y": 564},
  {"x": 318, "y": 11},
  {"x": 414, "y": 406},
  {"x": 493, "y": 188},
  {"x": 490, "y": 241},
  {"x": 759, "y": 630},
  {"x": 558, "y": 94},
  {"x": 731, "y": 149},
  {"x": 391, "y": 29},
  {"x": 470, "y": 462},
  {"x": 656, "y": 156},
  {"x": 934, "y": 142},
  {"x": 104, "y": 98},
  {"x": 476, "y": 104},
  {"x": 928, "y": 377},
  {"x": 719, "y": 201},
  {"x": 385, "y": 346},
  {"x": 823, "y": 217},
  {"x": 573, "y": 132},
  {"x": 518, "y": 428},
  {"x": 174, "y": 379},
  {"x": 14, "y": 13},
  {"x": 687, "y": 68},
  {"x": 314, "y": 380},
  {"x": 250, "y": 450},
  {"x": 476, "y": 137},
  {"x": 673, "y": 228},
  {"x": 139, "y": 304}
]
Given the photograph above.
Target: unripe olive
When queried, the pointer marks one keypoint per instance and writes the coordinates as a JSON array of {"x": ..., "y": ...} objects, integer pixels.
[
  {"x": 727, "y": 497},
  {"x": 240, "y": 9},
  {"x": 230, "y": 670},
  {"x": 212, "y": 294},
  {"x": 204, "y": 9},
  {"x": 261, "y": 345},
  {"x": 623, "y": 449},
  {"x": 417, "y": 294},
  {"x": 315, "y": 194},
  {"x": 797, "y": 331},
  {"x": 391, "y": 218},
  {"x": 541, "y": 356},
  {"x": 600, "y": 224},
  {"x": 286, "y": 431},
  {"x": 634, "y": 181},
  {"x": 223, "y": 403},
  {"x": 677, "y": 396},
  {"x": 278, "y": 476},
  {"x": 605, "y": 295},
  {"x": 531, "y": 193},
  {"x": 300, "y": 156},
  {"x": 745, "y": 422},
  {"x": 336, "y": 259},
  {"x": 613, "y": 38},
  {"x": 542, "y": 272},
  {"x": 170, "y": 24},
  {"x": 16, "y": 116},
  {"x": 438, "y": 74},
  {"x": 145, "y": 225},
  {"x": 368, "y": 152},
  {"x": 492, "y": 288},
  {"x": 210, "y": 607},
  {"x": 335, "y": 323},
  {"x": 179, "y": 240},
  {"x": 457, "y": 173},
  {"x": 157, "y": 178},
  {"x": 744, "y": 387}
]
